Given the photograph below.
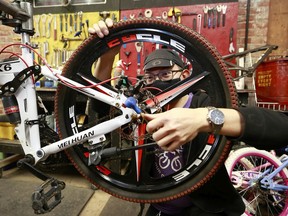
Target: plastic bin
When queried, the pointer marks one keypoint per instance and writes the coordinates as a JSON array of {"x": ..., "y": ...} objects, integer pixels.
[
  {"x": 271, "y": 81},
  {"x": 7, "y": 130}
]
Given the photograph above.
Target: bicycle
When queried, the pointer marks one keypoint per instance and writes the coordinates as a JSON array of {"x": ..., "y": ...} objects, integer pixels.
[
  {"x": 112, "y": 130},
  {"x": 261, "y": 179}
]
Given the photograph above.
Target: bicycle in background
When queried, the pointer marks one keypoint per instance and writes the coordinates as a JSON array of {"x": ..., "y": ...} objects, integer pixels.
[{"x": 262, "y": 180}]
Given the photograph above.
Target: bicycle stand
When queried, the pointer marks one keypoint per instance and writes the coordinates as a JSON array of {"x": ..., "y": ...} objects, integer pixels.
[{"x": 42, "y": 198}]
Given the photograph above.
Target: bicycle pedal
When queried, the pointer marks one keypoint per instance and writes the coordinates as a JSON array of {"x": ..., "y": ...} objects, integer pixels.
[{"x": 42, "y": 198}]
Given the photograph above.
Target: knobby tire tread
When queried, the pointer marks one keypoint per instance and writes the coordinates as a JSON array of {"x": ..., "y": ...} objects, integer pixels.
[{"x": 232, "y": 101}]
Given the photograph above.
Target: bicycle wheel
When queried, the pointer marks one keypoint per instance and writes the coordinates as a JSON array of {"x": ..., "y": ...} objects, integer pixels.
[
  {"x": 117, "y": 175},
  {"x": 245, "y": 167}
]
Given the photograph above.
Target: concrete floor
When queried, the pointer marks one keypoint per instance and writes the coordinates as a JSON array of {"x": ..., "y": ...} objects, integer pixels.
[{"x": 71, "y": 177}]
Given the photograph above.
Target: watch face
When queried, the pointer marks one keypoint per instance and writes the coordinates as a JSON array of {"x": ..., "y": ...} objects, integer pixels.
[{"x": 217, "y": 117}]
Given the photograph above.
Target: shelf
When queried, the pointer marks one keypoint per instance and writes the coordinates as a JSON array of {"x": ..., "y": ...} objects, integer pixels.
[{"x": 10, "y": 146}]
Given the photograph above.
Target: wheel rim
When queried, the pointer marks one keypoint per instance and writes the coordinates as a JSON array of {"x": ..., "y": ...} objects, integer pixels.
[{"x": 222, "y": 97}]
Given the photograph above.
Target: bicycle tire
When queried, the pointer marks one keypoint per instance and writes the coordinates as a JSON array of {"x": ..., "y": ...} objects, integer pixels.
[
  {"x": 219, "y": 86},
  {"x": 266, "y": 202}
]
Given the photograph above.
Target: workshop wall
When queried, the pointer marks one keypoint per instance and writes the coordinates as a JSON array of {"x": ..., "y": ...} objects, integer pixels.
[
  {"x": 58, "y": 35},
  {"x": 258, "y": 25},
  {"x": 217, "y": 30}
]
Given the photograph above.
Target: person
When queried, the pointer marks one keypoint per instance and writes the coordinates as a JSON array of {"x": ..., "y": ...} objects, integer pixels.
[
  {"x": 256, "y": 126},
  {"x": 217, "y": 197}
]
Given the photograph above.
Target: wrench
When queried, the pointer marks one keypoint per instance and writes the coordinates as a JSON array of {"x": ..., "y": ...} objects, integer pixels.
[
  {"x": 231, "y": 45},
  {"x": 205, "y": 9},
  {"x": 50, "y": 18},
  {"x": 224, "y": 9},
  {"x": 37, "y": 20},
  {"x": 199, "y": 17},
  {"x": 43, "y": 19},
  {"x": 219, "y": 9}
]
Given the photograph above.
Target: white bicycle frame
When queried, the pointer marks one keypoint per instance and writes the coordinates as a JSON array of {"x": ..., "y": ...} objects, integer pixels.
[{"x": 28, "y": 134}]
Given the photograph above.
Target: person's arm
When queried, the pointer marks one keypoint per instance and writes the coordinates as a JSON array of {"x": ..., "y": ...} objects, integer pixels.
[
  {"x": 261, "y": 128},
  {"x": 178, "y": 126},
  {"x": 104, "y": 64},
  {"x": 264, "y": 128}
]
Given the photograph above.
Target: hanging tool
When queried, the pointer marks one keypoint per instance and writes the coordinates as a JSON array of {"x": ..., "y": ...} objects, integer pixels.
[
  {"x": 231, "y": 45},
  {"x": 194, "y": 26},
  {"x": 61, "y": 22},
  {"x": 114, "y": 17},
  {"x": 43, "y": 19},
  {"x": 50, "y": 18},
  {"x": 104, "y": 14},
  {"x": 66, "y": 22},
  {"x": 214, "y": 11},
  {"x": 37, "y": 27},
  {"x": 127, "y": 65},
  {"x": 219, "y": 9},
  {"x": 148, "y": 13},
  {"x": 171, "y": 13},
  {"x": 224, "y": 9},
  {"x": 205, "y": 9},
  {"x": 71, "y": 23},
  {"x": 138, "y": 46},
  {"x": 55, "y": 27},
  {"x": 164, "y": 15},
  {"x": 209, "y": 17},
  {"x": 132, "y": 16},
  {"x": 175, "y": 13},
  {"x": 75, "y": 21},
  {"x": 199, "y": 17},
  {"x": 45, "y": 50},
  {"x": 87, "y": 23},
  {"x": 80, "y": 15}
]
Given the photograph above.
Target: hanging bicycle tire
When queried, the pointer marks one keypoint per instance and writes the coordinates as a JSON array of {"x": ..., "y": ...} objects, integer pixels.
[
  {"x": 72, "y": 117},
  {"x": 246, "y": 167}
]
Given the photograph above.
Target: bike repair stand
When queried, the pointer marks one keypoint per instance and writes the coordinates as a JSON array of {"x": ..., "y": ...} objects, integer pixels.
[{"x": 22, "y": 22}]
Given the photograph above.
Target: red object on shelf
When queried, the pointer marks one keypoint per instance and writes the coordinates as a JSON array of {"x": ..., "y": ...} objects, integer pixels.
[{"x": 271, "y": 81}]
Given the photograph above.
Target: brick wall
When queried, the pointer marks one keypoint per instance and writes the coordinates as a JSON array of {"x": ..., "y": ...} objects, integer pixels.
[
  {"x": 7, "y": 36},
  {"x": 258, "y": 23}
]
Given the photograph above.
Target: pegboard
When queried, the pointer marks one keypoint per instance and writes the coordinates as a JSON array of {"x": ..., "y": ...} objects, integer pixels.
[
  {"x": 217, "y": 35},
  {"x": 57, "y": 49}
]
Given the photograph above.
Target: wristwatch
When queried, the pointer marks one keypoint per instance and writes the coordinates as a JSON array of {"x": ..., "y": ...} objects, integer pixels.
[{"x": 215, "y": 117}]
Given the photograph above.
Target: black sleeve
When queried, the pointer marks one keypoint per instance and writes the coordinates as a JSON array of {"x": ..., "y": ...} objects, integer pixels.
[
  {"x": 200, "y": 99},
  {"x": 264, "y": 128}
]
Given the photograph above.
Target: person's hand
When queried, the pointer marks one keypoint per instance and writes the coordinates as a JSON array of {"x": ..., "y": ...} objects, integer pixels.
[
  {"x": 175, "y": 127},
  {"x": 101, "y": 28}
]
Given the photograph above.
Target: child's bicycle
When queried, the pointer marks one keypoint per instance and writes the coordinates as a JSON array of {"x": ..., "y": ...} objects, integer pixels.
[
  {"x": 108, "y": 129},
  {"x": 262, "y": 180}
]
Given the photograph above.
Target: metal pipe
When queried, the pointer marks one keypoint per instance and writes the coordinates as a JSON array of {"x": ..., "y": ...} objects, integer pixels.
[{"x": 247, "y": 24}]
